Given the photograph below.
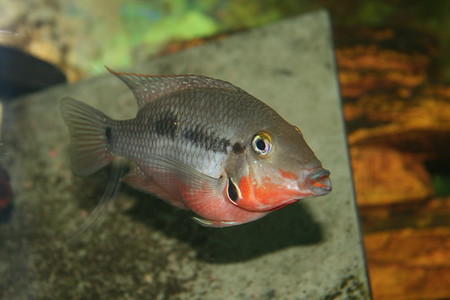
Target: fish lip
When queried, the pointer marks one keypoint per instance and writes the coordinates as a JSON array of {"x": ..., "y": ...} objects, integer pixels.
[{"x": 318, "y": 182}]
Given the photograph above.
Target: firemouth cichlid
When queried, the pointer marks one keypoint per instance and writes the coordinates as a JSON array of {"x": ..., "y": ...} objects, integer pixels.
[{"x": 201, "y": 144}]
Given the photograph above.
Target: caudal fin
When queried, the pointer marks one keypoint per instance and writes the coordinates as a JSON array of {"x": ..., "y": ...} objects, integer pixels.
[{"x": 89, "y": 130}]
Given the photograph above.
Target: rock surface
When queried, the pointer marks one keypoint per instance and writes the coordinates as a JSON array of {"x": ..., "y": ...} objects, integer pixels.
[
  {"x": 145, "y": 249},
  {"x": 410, "y": 263}
]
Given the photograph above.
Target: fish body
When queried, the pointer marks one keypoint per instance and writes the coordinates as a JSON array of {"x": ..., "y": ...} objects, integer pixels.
[{"x": 201, "y": 144}]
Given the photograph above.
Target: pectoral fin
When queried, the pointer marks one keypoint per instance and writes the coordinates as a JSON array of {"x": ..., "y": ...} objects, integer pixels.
[
  {"x": 143, "y": 182},
  {"x": 197, "y": 191}
]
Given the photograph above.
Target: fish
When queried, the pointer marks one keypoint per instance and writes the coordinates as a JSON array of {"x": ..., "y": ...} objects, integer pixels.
[{"x": 201, "y": 144}]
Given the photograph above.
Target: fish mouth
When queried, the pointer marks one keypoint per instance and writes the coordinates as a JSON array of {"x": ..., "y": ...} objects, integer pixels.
[{"x": 318, "y": 182}]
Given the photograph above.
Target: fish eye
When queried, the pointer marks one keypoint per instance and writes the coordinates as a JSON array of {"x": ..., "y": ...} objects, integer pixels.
[{"x": 262, "y": 143}]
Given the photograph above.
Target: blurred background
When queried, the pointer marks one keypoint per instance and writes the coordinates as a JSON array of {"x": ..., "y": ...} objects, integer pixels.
[{"x": 394, "y": 71}]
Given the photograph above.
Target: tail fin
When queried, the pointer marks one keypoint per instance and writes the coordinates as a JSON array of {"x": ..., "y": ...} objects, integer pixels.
[{"x": 89, "y": 130}]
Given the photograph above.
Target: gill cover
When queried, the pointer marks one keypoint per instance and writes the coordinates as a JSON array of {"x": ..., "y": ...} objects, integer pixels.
[
  {"x": 253, "y": 183},
  {"x": 277, "y": 168}
]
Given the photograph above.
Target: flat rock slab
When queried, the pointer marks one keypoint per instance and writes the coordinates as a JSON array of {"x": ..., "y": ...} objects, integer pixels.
[{"x": 146, "y": 249}]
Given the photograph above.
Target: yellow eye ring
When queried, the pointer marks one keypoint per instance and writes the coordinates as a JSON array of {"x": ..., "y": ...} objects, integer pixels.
[{"x": 262, "y": 143}]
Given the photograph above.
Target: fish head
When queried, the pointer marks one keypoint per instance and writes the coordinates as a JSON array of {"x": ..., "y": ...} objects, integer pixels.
[{"x": 276, "y": 168}]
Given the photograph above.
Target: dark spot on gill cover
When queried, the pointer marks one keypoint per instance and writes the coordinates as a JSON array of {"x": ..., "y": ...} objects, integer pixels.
[
  {"x": 238, "y": 148},
  {"x": 166, "y": 125},
  {"x": 233, "y": 193}
]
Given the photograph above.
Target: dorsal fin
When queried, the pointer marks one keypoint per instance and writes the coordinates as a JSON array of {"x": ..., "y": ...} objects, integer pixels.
[{"x": 149, "y": 87}]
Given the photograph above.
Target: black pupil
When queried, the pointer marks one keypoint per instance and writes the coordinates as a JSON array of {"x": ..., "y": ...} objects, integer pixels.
[{"x": 261, "y": 145}]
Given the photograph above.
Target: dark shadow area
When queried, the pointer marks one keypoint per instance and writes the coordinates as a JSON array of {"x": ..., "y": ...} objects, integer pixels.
[
  {"x": 439, "y": 170},
  {"x": 6, "y": 212},
  {"x": 6, "y": 197},
  {"x": 22, "y": 73},
  {"x": 288, "y": 227}
]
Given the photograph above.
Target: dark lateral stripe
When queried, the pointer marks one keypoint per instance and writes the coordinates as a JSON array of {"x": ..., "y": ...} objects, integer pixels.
[
  {"x": 166, "y": 125},
  {"x": 209, "y": 142}
]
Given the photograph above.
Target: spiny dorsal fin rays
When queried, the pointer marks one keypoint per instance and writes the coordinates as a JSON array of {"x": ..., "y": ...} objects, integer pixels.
[{"x": 149, "y": 87}]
